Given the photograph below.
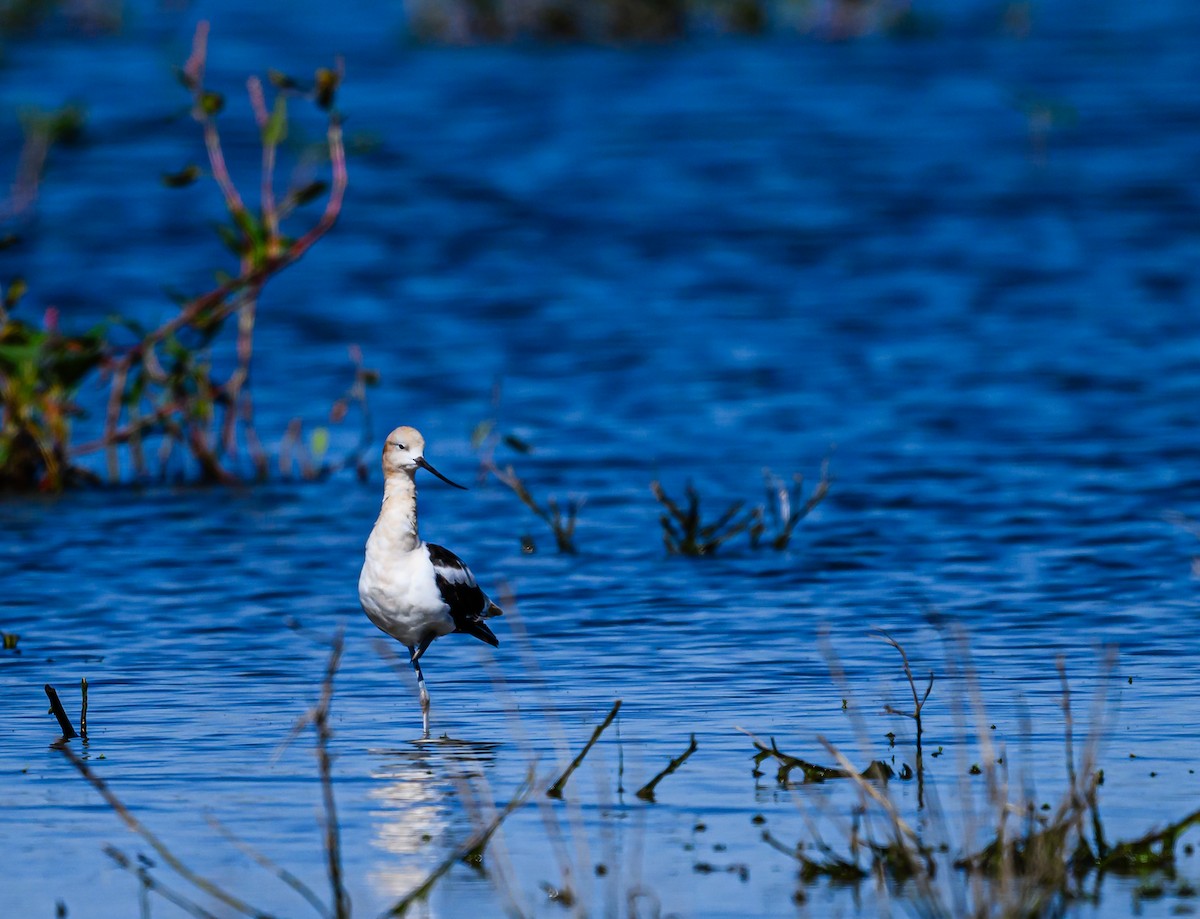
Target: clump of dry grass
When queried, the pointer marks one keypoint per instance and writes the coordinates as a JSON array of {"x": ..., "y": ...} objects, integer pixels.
[{"x": 1035, "y": 862}]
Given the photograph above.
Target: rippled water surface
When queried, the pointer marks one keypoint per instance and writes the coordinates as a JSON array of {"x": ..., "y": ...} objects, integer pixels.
[{"x": 963, "y": 267}]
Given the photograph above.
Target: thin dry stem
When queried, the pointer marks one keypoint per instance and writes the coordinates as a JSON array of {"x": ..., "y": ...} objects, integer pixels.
[
  {"x": 476, "y": 842},
  {"x": 196, "y": 880},
  {"x": 320, "y": 721},
  {"x": 268, "y": 864},
  {"x": 151, "y": 884}
]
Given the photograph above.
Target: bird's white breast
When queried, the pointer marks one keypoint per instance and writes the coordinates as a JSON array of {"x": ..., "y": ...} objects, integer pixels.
[{"x": 399, "y": 593}]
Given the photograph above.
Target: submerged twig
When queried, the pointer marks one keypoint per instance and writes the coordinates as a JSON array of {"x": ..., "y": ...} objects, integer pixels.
[
  {"x": 872, "y": 792},
  {"x": 646, "y": 792},
  {"x": 556, "y": 790},
  {"x": 876, "y": 770}
]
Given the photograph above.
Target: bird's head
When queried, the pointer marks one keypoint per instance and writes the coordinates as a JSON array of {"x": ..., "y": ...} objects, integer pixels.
[{"x": 404, "y": 452}]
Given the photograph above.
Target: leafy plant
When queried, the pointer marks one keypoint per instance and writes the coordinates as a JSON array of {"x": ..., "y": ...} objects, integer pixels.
[
  {"x": 41, "y": 370},
  {"x": 164, "y": 383}
]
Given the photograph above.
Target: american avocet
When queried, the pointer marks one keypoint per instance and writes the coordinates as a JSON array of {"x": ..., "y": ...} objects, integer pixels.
[{"x": 411, "y": 589}]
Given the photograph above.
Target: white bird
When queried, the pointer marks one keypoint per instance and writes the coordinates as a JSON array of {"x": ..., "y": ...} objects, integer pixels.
[{"x": 413, "y": 590}]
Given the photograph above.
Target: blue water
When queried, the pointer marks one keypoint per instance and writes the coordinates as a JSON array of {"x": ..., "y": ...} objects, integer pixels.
[{"x": 683, "y": 263}]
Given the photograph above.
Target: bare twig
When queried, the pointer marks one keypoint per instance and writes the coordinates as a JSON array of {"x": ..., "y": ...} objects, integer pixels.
[
  {"x": 556, "y": 790},
  {"x": 562, "y": 525},
  {"x": 320, "y": 720},
  {"x": 646, "y": 792},
  {"x": 56, "y": 708},
  {"x": 786, "y": 506},
  {"x": 915, "y": 714}
]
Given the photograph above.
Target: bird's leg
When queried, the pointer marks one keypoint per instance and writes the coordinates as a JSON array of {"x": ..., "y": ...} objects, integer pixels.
[{"x": 421, "y": 690}]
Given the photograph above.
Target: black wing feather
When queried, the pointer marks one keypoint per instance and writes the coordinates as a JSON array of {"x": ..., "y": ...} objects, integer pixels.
[{"x": 469, "y": 605}]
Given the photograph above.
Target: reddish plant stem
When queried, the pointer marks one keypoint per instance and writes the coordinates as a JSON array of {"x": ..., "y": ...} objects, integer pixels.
[{"x": 236, "y": 294}]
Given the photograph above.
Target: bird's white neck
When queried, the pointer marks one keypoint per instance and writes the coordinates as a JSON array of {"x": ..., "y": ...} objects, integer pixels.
[{"x": 396, "y": 527}]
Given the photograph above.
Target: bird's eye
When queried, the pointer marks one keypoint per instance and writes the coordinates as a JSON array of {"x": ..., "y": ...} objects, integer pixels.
[{"x": 400, "y": 447}]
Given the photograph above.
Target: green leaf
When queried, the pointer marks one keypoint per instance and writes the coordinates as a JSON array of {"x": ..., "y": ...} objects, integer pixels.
[
  {"x": 234, "y": 241},
  {"x": 482, "y": 430},
  {"x": 275, "y": 129},
  {"x": 249, "y": 224},
  {"x": 318, "y": 442},
  {"x": 15, "y": 355},
  {"x": 211, "y": 103},
  {"x": 183, "y": 178},
  {"x": 16, "y": 290}
]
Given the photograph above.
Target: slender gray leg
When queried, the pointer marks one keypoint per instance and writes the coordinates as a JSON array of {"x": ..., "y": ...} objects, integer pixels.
[{"x": 421, "y": 690}]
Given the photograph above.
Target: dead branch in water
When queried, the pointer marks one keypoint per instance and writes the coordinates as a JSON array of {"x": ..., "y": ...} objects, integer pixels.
[
  {"x": 646, "y": 792},
  {"x": 83, "y": 687},
  {"x": 56, "y": 709},
  {"x": 556, "y": 790}
]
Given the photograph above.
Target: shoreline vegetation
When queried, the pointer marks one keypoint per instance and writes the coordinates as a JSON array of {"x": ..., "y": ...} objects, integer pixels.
[
  {"x": 1037, "y": 859},
  {"x": 473, "y": 22},
  {"x": 656, "y": 21}
]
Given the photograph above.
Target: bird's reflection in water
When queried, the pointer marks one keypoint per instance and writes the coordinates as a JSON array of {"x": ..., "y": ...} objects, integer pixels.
[{"x": 416, "y": 788}]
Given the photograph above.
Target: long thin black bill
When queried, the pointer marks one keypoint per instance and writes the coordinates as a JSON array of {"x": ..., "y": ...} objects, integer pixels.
[{"x": 424, "y": 465}]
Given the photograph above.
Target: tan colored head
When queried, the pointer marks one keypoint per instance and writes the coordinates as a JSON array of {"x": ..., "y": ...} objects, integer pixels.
[{"x": 404, "y": 453}]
